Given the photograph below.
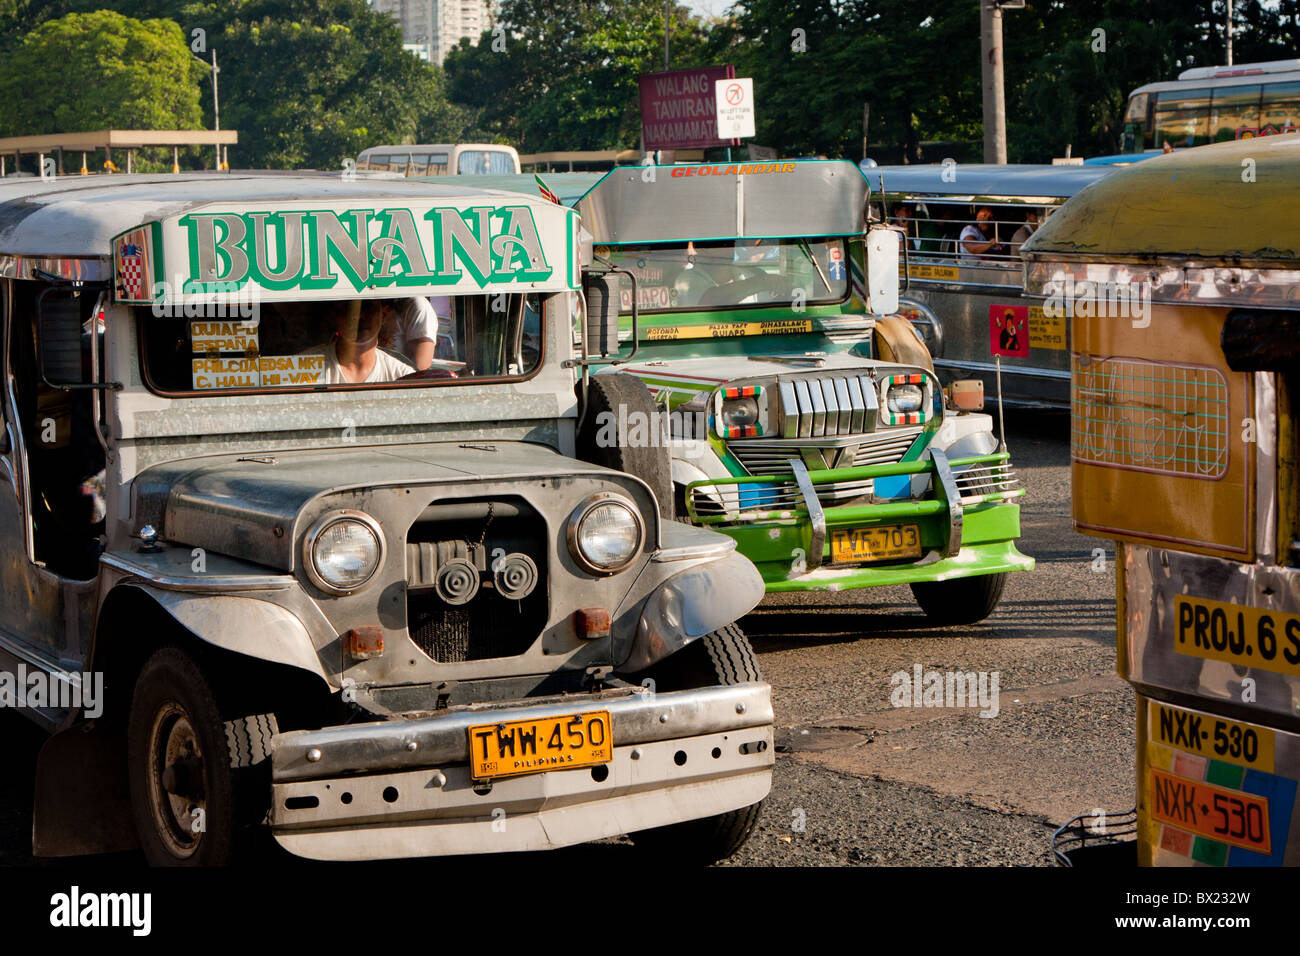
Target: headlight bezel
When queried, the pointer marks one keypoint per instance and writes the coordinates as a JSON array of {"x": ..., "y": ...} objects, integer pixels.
[
  {"x": 583, "y": 511},
  {"x": 323, "y": 524}
]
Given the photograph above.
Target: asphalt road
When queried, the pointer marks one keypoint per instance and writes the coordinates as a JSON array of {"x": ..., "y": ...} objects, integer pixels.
[{"x": 861, "y": 782}]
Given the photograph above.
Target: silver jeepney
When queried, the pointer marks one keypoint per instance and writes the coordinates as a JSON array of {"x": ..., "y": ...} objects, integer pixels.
[
  {"x": 949, "y": 297},
  {"x": 308, "y": 596}
]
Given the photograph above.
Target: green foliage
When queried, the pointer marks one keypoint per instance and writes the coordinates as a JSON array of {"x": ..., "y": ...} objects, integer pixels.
[
  {"x": 340, "y": 82},
  {"x": 99, "y": 70},
  {"x": 564, "y": 76}
]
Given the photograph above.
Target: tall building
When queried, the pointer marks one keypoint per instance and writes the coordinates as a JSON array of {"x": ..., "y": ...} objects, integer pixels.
[{"x": 430, "y": 28}]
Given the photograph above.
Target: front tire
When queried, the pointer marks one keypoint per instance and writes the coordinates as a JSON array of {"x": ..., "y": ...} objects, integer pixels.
[
  {"x": 961, "y": 600},
  {"x": 720, "y": 658},
  {"x": 182, "y": 761}
]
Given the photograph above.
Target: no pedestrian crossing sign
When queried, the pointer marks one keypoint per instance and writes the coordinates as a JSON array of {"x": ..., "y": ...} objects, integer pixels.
[{"x": 735, "y": 98}]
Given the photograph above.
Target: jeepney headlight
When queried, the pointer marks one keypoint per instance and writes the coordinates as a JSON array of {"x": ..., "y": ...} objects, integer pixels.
[
  {"x": 904, "y": 398},
  {"x": 739, "y": 412},
  {"x": 342, "y": 551},
  {"x": 605, "y": 533}
]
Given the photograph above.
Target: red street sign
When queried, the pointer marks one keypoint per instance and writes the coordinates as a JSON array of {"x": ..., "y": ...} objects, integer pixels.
[
  {"x": 679, "y": 108},
  {"x": 1009, "y": 330}
]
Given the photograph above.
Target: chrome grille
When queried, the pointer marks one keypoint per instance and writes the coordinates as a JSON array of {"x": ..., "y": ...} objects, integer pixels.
[
  {"x": 828, "y": 406},
  {"x": 771, "y": 456}
]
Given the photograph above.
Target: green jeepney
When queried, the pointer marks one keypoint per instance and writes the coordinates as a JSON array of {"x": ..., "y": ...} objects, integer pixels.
[{"x": 803, "y": 421}]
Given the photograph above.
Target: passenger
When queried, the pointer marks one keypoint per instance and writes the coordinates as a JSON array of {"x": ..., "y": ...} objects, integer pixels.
[
  {"x": 906, "y": 224},
  {"x": 410, "y": 327},
  {"x": 353, "y": 355},
  {"x": 975, "y": 242},
  {"x": 1024, "y": 232}
]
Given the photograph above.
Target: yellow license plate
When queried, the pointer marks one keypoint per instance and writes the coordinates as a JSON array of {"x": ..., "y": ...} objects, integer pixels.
[
  {"x": 535, "y": 746},
  {"x": 876, "y": 544},
  {"x": 1214, "y": 737},
  {"x": 1236, "y": 634}
]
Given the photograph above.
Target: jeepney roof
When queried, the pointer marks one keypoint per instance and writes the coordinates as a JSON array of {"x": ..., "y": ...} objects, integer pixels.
[
  {"x": 1230, "y": 204},
  {"x": 975, "y": 182},
  {"x": 721, "y": 201},
  {"x": 77, "y": 217},
  {"x": 569, "y": 187}
]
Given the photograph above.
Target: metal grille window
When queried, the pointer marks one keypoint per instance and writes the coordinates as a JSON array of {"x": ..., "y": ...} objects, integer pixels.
[{"x": 1150, "y": 416}]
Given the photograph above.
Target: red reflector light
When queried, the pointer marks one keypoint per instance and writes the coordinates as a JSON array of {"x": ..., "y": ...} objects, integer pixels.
[
  {"x": 365, "y": 642},
  {"x": 591, "y": 622}
]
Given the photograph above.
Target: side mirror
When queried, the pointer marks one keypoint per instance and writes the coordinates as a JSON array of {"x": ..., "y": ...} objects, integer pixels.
[
  {"x": 602, "y": 294},
  {"x": 882, "y": 253}
]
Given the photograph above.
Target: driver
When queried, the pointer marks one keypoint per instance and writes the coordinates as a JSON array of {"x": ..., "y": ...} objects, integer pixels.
[{"x": 353, "y": 354}]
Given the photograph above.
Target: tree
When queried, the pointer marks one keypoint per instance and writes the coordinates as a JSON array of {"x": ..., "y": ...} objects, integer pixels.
[
  {"x": 340, "y": 82},
  {"x": 112, "y": 72},
  {"x": 564, "y": 76}
]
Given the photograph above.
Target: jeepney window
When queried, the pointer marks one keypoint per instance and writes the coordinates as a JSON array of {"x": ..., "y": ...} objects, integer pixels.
[
  {"x": 371, "y": 343},
  {"x": 734, "y": 273},
  {"x": 1235, "y": 110},
  {"x": 982, "y": 234},
  {"x": 1183, "y": 117}
]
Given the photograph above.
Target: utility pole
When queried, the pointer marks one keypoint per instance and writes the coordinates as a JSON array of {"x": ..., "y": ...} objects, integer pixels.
[
  {"x": 216, "y": 107},
  {"x": 668, "y": 12},
  {"x": 995, "y": 104},
  {"x": 1229, "y": 32}
]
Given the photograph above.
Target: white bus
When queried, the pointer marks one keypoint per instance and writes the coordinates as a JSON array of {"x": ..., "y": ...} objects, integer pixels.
[
  {"x": 1212, "y": 104},
  {"x": 461, "y": 159}
]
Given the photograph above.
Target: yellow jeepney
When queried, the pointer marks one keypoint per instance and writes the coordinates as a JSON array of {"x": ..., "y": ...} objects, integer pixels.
[{"x": 1181, "y": 279}]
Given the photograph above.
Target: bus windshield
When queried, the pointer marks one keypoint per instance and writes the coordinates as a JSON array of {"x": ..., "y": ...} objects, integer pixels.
[
  {"x": 341, "y": 344},
  {"x": 674, "y": 277}
]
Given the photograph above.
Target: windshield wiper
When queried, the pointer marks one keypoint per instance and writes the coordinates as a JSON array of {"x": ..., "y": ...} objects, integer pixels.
[{"x": 807, "y": 251}]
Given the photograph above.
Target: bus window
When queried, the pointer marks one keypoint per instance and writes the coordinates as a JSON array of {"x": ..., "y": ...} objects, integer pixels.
[
  {"x": 1235, "y": 110},
  {"x": 398, "y": 163},
  {"x": 1136, "y": 125},
  {"x": 1183, "y": 117},
  {"x": 419, "y": 164},
  {"x": 377, "y": 161},
  {"x": 437, "y": 164},
  {"x": 485, "y": 162},
  {"x": 1280, "y": 106}
]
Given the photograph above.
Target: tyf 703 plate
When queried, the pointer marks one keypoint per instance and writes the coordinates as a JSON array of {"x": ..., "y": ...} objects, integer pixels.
[
  {"x": 517, "y": 747},
  {"x": 850, "y": 545}
]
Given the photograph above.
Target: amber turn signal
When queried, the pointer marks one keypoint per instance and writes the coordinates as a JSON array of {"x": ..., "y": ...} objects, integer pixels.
[
  {"x": 591, "y": 622},
  {"x": 966, "y": 394},
  {"x": 365, "y": 642}
]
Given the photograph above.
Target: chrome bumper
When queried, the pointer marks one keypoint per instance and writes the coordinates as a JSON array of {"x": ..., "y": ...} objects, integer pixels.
[{"x": 402, "y": 788}]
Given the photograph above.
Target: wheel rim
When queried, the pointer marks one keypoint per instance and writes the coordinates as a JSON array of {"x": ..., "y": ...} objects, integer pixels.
[{"x": 177, "y": 780}]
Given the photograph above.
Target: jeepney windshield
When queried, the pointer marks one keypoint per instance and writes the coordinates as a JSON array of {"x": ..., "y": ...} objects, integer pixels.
[
  {"x": 675, "y": 277},
  {"x": 354, "y": 343}
]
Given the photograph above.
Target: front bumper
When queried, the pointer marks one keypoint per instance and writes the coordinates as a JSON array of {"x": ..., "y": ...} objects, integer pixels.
[
  {"x": 402, "y": 788},
  {"x": 968, "y": 523}
]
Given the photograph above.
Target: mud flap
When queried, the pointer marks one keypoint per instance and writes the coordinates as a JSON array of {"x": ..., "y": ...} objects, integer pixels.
[{"x": 82, "y": 804}]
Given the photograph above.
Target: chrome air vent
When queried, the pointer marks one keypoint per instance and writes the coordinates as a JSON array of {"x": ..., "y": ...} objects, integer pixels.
[{"x": 829, "y": 405}]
